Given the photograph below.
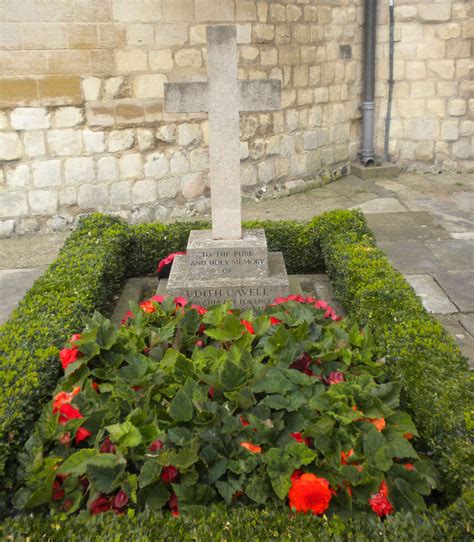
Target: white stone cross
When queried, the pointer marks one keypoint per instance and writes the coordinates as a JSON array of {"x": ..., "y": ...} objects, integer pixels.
[{"x": 223, "y": 97}]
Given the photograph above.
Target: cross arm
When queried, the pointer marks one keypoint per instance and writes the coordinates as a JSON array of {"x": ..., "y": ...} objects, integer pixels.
[
  {"x": 260, "y": 95},
  {"x": 186, "y": 97}
]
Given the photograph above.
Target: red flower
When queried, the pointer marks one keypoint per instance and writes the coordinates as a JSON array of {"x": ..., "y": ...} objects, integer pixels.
[
  {"x": 202, "y": 329},
  {"x": 180, "y": 301},
  {"x": 75, "y": 337},
  {"x": 65, "y": 438},
  {"x": 243, "y": 421},
  {"x": 378, "y": 422},
  {"x": 380, "y": 505},
  {"x": 169, "y": 259},
  {"x": 296, "y": 475},
  {"x": 345, "y": 456},
  {"x": 211, "y": 392},
  {"x": 172, "y": 504},
  {"x": 58, "y": 492},
  {"x": 64, "y": 397},
  {"x": 68, "y": 356},
  {"x": 95, "y": 386},
  {"x": 169, "y": 474},
  {"x": 68, "y": 412},
  {"x": 409, "y": 466},
  {"x": 157, "y": 298},
  {"x": 81, "y": 434},
  {"x": 335, "y": 377},
  {"x": 199, "y": 309},
  {"x": 121, "y": 499},
  {"x": 148, "y": 307},
  {"x": 383, "y": 489},
  {"x": 248, "y": 326},
  {"x": 251, "y": 447},
  {"x": 66, "y": 505},
  {"x": 274, "y": 321},
  {"x": 321, "y": 304},
  {"x": 302, "y": 362},
  {"x": 100, "y": 505},
  {"x": 310, "y": 494},
  {"x": 107, "y": 447},
  {"x": 127, "y": 316},
  {"x": 199, "y": 343},
  {"x": 408, "y": 436},
  {"x": 297, "y": 436},
  {"x": 156, "y": 445}
]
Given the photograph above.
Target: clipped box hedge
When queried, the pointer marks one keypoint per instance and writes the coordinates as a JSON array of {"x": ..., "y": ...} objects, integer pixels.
[{"x": 103, "y": 251}]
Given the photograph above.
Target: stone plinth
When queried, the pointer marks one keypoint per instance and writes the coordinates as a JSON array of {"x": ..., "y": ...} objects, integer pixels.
[
  {"x": 209, "y": 258},
  {"x": 244, "y": 292}
]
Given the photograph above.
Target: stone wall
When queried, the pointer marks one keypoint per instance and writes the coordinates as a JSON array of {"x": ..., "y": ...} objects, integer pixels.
[{"x": 82, "y": 125}]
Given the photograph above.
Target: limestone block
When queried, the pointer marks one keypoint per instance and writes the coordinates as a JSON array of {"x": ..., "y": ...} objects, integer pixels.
[
  {"x": 156, "y": 165},
  {"x": 249, "y": 53},
  {"x": 282, "y": 34},
  {"x": 188, "y": 58},
  {"x": 311, "y": 140},
  {"x": 167, "y": 133},
  {"x": 248, "y": 175},
  {"x": 263, "y": 33},
  {"x": 293, "y": 13},
  {"x": 149, "y": 86},
  {"x": 244, "y": 150},
  {"x": 107, "y": 169},
  {"x": 193, "y": 185},
  {"x": 145, "y": 139},
  {"x": 277, "y": 13},
  {"x": 298, "y": 164},
  {"x": 79, "y": 170},
  {"x": 179, "y": 163},
  {"x": 197, "y": 34},
  {"x": 34, "y": 144},
  {"x": 30, "y": 118},
  {"x": 308, "y": 55},
  {"x": 431, "y": 50},
  {"x": 415, "y": 69},
  {"x": 131, "y": 60},
  {"x": 93, "y": 196},
  {"x": 169, "y": 35},
  {"x": 100, "y": 114},
  {"x": 67, "y": 117},
  {"x": 91, "y": 88},
  {"x": 13, "y": 204},
  {"x": 448, "y": 31},
  {"x": 450, "y": 130},
  {"x": 282, "y": 167},
  {"x": 434, "y": 13},
  {"x": 304, "y": 97},
  {"x": 214, "y": 10},
  {"x": 463, "y": 149},
  {"x": 189, "y": 134},
  {"x": 421, "y": 129},
  {"x": 446, "y": 88},
  {"x": 131, "y": 166},
  {"x": 424, "y": 151},
  {"x": 459, "y": 49},
  {"x": 113, "y": 86},
  {"x": 168, "y": 187},
  {"x": 457, "y": 107},
  {"x": 466, "y": 128},
  {"x": 266, "y": 171},
  {"x": 47, "y": 173},
  {"x": 120, "y": 194},
  {"x": 468, "y": 28},
  {"x": 405, "y": 13},
  {"x": 65, "y": 142},
  {"x": 300, "y": 76},
  {"x": 43, "y": 202},
  {"x": 436, "y": 107},
  {"x": 160, "y": 60},
  {"x": 133, "y": 10},
  {"x": 410, "y": 109},
  {"x": 301, "y": 33},
  {"x": 422, "y": 89},
  {"x": 289, "y": 55},
  {"x": 199, "y": 159},
  {"x": 144, "y": 192},
  {"x": 245, "y": 10},
  {"x": 120, "y": 140},
  {"x": 18, "y": 177},
  {"x": 178, "y": 10},
  {"x": 140, "y": 34},
  {"x": 444, "y": 69},
  {"x": 94, "y": 142},
  {"x": 7, "y": 228}
]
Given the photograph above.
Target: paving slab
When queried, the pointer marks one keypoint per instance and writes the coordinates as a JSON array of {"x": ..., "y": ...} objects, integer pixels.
[
  {"x": 411, "y": 257},
  {"x": 459, "y": 285},
  {"x": 14, "y": 283},
  {"x": 399, "y": 226},
  {"x": 451, "y": 323},
  {"x": 30, "y": 250},
  {"x": 381, "y": 205},
  {"x": 456, "y": 254},
  {"x": 467, "y": 321},
  {"x": 433, "y": 297}
]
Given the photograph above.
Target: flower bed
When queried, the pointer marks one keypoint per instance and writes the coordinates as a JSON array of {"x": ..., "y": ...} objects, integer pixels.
[{"x": 417, "y": 351}]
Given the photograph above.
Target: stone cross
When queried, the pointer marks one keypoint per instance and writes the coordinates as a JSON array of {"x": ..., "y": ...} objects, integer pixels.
[{"x": 223, "y": 97}]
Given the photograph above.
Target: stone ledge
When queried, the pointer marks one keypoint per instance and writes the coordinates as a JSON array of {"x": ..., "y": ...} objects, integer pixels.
[
  {"x": 124, "y": 112},
  {"x": 50, "y": 90}
]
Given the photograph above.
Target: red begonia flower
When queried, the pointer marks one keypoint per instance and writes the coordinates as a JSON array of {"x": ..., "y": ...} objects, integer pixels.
[
  {"x": 169, "y": 474},
  {"x": 378, "y": 422},
  {"x": 156, "y": 445},
  {"x": 169, "y": 259},
  {"x": 58, "y": 492},
  {"x": 200, "y": 310},
  {"x": 302, "y": 362},
  {"x": 409, "y": 466},
  {"x": 299, "y": 438},
  {"x": 321, "y": 304},
  {"x": 243, "y": 421},
  {"x": 75, "y": 337},
  {"x": 380, "y": 505},
  {"x": 64, "y": 397},
  {"x": 81, "y": 434},
  {"x": 310, "y": 494},
  {"x": 211, "y": 392},
  {"x": 296, "y": 475},
  {"x": 157, "y": 298},
  {"x": 383, "y": 489},
  {"x": 345, "y": 456},
  {"x": 100, "y": 505},
  {"x": 107, "y": 447},
  {"x": 251, "y": 447},
  {"x": 68, "y": 412},
  {"x": 335, "y": 377},
  {"x": 172, "y": 504},
  {"x": 274, "y": 321},
  {"x": 248, "y": 326},
  {"x": 120, "y": 500},
  {"x": 148, "y": 307},
  {"x": 68, "y": 356},
  {"x": 180, "y": 301},
  {"x": 408, "y": 436},
  {"x": 128, "y": 315}
]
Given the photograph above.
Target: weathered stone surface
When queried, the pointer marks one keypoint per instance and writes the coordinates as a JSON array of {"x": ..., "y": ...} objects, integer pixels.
[
  {"x": 43, "y": 202},
  {"x": 34, "y": 144},
  {"x": 120, "y": 140},
  {"x": 47, "y": 173},
  {"x": 30, "y": 118},
  {"x": 94, "y": 142},
  {"x": 434, "y": 299},
  {"x": 108, "y": 169},
  {"x": 18, "y": 177},
  {"x": 67, "y": 117},
  {"x": 65, "y": 142},
  {"x": 459, "y": 285},
  {"x": 79, "y": 170},
  {"x": 256, "y": 291},
  {"x": 10, "y": 146},
  {"x": 156, "y": 165}
]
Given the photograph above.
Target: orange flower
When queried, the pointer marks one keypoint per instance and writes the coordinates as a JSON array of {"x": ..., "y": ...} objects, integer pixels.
[
  {"x": 383, "y": 489},
  {"x": 409, "y": 466},
  {"x": 408, "y": 436},
  {"x": 378, "y": 422},
  {"x": 248, "y": 326},
  {"x": 251, "y": 447},
  {"x": 310, "y": 494},
  {"x": 345, "y": 456},
  {"x": 63, "y": 398},
  {"x": 147, "y": 306}
]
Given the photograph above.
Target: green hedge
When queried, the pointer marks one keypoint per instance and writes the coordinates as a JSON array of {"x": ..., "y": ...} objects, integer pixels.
[
  {"x": 243, "y": 525},
  {"x": 437, "y": 385},
  {"x": 84, "y": 277}
]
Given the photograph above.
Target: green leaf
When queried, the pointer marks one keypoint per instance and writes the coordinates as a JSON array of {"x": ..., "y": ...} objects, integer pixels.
[
  {"x": 29, "y": 498},
  {"x": 389, "y": 393},
  {"x": 181, "y": 408},
  {"x": 180, "y": 435},
  {"x": 321, "y": 427},
  {"x": 149, "y": 473},
  {"x": 125, "y": 434},
  {"x": 300, "y": 454},
  {"x": 107, "y": 333},
  {"x": 259, "y": 490},
  {"x": 103, "y": 471},
  {"x": 273, "y": 382},
  {"x": 400, "y": 446},
  {"x": 155, "y": 496},
  {"x": 377, "y": 450},
  {"x": 76, "y": 464},
  {"x": 198, "y": 494},
  {"x": 232, "y": 376}
]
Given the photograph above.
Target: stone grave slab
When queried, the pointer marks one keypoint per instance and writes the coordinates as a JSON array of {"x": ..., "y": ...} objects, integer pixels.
[
  {"x": 459, "y": 285},
  {"x": 411, "y": 256},
  {"x": 433, "y": 297}
]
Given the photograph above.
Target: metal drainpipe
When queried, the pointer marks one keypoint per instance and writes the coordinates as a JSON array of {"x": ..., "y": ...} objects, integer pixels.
[{"x": 367, "y": 153}]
